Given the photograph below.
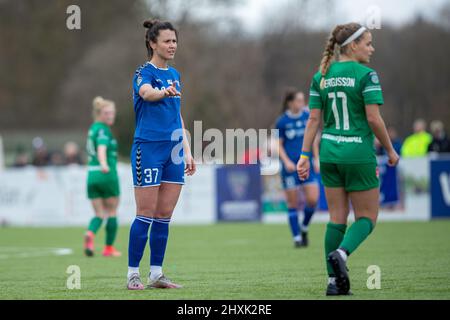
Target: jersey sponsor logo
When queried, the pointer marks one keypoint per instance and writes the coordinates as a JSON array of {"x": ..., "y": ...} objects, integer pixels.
[
  {"x": 340, "y": 139},
  {"x": 340, "y": 82},
  {"x": 139, "y": 80},
  {"x": 173, "y": 81},
  {"x": 291, "y": 134}
]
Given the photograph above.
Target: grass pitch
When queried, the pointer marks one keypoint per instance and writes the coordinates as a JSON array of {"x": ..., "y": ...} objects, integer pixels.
[{"x": 229, "y": 261}]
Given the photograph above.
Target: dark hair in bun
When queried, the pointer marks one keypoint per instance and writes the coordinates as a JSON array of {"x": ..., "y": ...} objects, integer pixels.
[
  {"x": 289, "y": 96},
  {"x": 153, "y": 28}
]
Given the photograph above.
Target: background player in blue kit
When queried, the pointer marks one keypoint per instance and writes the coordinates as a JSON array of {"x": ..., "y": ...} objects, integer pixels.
[
  {"x": 291, "y": 125},
  {"x": 157, "y": 154}
]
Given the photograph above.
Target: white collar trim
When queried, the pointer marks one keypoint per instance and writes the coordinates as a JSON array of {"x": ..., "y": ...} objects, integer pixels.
[{"x": 164, "y": 69}]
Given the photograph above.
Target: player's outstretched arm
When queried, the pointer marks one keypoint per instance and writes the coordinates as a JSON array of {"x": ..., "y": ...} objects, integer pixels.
[
  {"x": 148, "y": 93},
  {"x": 378, "y": 127}
]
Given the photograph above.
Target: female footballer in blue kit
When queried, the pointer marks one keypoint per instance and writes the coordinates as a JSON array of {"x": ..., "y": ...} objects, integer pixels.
[
  {"x": 157, "y": 154},
  {"x": 291, "y": 125}
]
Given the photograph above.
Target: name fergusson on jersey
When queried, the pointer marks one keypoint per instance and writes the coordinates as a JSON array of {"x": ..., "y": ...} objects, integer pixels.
[{"x": 340, "y": 82}]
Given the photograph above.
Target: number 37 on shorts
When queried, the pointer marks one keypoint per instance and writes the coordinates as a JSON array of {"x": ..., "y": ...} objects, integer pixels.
[{"x": 154, "y": 163}]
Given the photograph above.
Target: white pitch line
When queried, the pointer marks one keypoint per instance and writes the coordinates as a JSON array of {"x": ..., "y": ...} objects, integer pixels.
[{"x": 18, "y": 252}]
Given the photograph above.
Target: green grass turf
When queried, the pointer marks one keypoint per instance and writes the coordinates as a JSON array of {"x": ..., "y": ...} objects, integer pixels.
[{"x": 232, "y": 261}]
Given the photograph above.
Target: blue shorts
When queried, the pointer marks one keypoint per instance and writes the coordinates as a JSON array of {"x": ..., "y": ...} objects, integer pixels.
[
  {"x": 291, "y": 180},
  {"x": 157, "y": 162}
]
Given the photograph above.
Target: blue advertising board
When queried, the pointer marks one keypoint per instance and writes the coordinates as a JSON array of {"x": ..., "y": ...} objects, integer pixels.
[
  {"x": 389, "y": 183},
  {"x": 239, "y": 189},
  {"x": 440, "y": 188}
]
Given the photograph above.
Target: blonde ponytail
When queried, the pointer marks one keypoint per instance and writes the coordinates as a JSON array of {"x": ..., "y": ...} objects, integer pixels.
[{"x": 327, "y": 58}]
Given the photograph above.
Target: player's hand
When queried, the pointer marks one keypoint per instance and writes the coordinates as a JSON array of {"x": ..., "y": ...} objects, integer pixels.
[
  {"x": 393, "y": 158},
  {"x": 172, "y": 91},
  {"x": 316, "y": 164},
  {"x": 290, "y": 166},
  {"x": 105, "y": 168},
  {"x": 191, "y": 167},
  {"x": 303, "y": 167}
]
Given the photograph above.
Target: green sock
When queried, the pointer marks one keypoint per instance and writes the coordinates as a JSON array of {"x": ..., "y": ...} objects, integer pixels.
[
  {"x": 111, "y": 230},
  {"x": 356, "y": 234},
  {"x": 333, "y": 238},
  {"x": 95, "y": 224}
]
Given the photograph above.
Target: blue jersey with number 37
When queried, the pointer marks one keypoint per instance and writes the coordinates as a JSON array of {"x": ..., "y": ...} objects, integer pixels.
[{"x": 156, "y": 121}]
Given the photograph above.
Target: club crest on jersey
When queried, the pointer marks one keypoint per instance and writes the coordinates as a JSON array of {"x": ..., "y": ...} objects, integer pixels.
[
  {"x": 139, "y": 80},
  {"x": 374, "y": 78},
  {"x": 290, "y": 134}
]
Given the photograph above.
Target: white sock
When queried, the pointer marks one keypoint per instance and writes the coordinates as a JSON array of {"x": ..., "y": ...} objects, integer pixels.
[
  {"x": 331, "y": 280},
  {"x": 343, "y": 254},
  {"x": 155, "y": 272},
  {"x": 298, "y": 238},
  {"x": 132, "y": 270}
]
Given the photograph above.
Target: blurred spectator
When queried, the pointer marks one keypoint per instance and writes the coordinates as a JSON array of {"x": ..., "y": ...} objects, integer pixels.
[
  {"x": 57, "y": 159},
  {"x": 41, "y": 156},
  {"x": 22, "y": 159},
  {"x": 72, "y": 153},
  {"x": 440, "y": 143},
  {"x": 416, "y": 145}
]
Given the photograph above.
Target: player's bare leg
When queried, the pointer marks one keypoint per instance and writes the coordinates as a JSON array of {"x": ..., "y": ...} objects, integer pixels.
[{"x": 366, "y": 204}]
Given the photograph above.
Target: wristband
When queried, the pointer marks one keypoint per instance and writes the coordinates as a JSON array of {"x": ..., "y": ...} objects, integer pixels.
[{"x": 306, "y": 155}]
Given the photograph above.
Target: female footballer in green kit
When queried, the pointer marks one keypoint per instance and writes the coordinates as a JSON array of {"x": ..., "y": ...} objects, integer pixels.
[
  {"x": 346, "y": 94},
  {"x": 102, "y": 181}
]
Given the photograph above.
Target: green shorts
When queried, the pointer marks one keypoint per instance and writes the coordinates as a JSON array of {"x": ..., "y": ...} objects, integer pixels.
[
  {"x": 351, "y": 177},
  {"x": 100, "y": 185}
]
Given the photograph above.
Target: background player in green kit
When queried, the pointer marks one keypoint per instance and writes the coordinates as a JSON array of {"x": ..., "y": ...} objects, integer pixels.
[
  {"x": 347, "y": 95},
  {"x": 102, "y": 182}
]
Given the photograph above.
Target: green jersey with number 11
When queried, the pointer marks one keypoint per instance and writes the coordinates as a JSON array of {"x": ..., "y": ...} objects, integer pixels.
[{"x": 347, "y": 88}]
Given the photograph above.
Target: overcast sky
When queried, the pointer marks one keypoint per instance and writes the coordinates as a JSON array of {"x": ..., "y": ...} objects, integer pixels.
[{"x": 394, "y": 12}]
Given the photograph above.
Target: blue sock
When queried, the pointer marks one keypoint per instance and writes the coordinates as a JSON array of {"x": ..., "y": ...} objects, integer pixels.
[
  {"x": 158, "y": 241},
  {"x": 309, "y": 211},
  {"x": 138, "y": 240},
  {"x": 293, "y": 222}
]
